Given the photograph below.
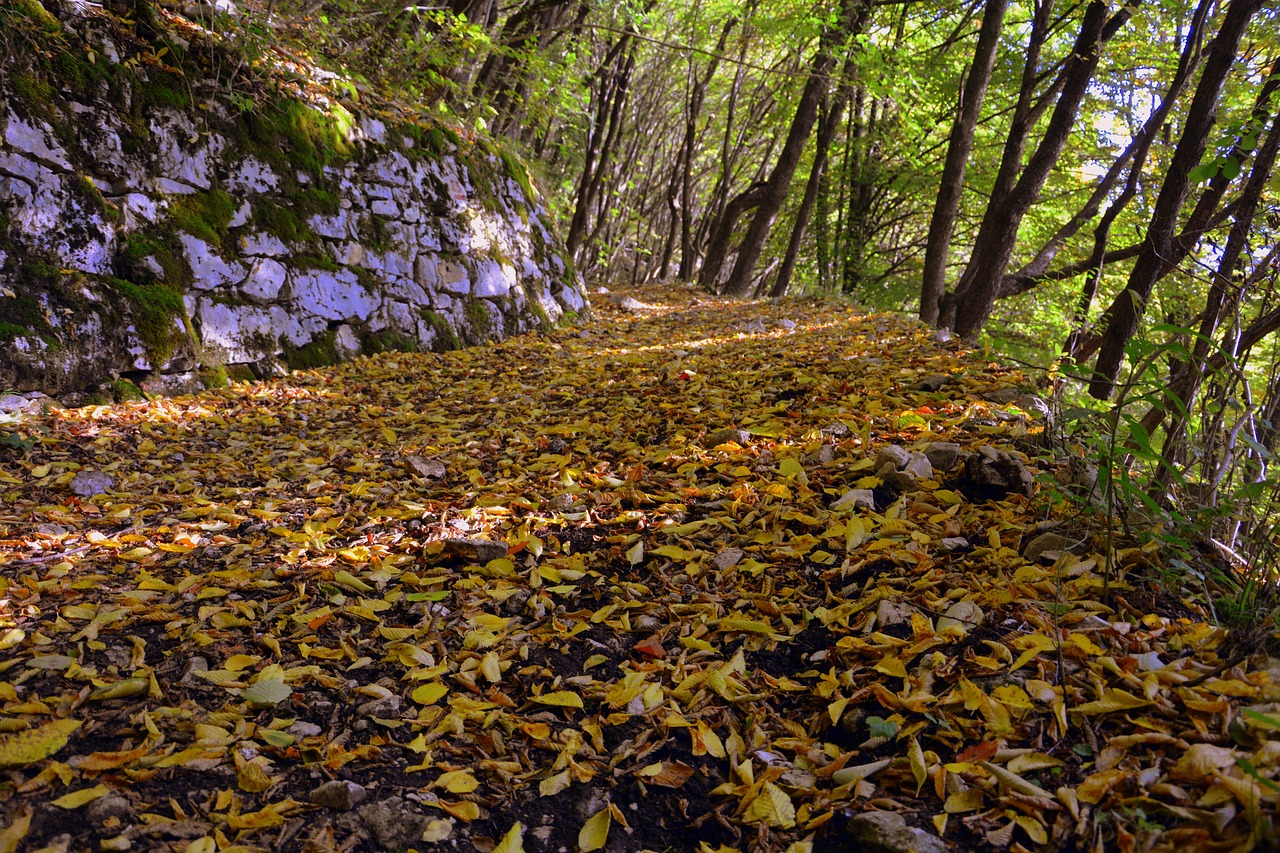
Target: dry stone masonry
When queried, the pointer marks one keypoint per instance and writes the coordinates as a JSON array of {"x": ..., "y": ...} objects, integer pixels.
[{"x": 152, "y": 232}]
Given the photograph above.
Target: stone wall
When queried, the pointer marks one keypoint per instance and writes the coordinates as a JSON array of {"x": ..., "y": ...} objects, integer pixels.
[{"x": 157, "y": 229}]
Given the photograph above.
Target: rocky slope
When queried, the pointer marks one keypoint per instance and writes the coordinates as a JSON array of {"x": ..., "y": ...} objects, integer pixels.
[{"x": 164, "y": 223}]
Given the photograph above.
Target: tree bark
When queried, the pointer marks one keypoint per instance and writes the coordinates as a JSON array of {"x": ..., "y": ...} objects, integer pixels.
[
  {"x": 853, "y": 18},
  {"x": 959, "y": 146},
  {"x": 1158, "y": 248},
  {"x": 975, "y": 295}
]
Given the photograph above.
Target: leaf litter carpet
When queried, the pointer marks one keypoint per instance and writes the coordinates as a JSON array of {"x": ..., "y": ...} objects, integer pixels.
[{"x": 605, "y": 588}]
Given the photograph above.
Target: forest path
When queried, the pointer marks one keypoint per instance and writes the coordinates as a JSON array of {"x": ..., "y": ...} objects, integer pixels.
[{"x": 650, "y": 583}]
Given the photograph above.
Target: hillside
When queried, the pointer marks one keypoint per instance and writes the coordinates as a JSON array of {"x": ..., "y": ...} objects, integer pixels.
[{"x": 703, "y": 575}]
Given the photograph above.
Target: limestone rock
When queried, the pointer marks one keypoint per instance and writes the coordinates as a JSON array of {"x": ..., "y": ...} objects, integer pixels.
[
  {"x": 892, "y": 455},
  {"x": 88, "y": 484},
  {"x": 1047, "y": 547},
  {"x": 856, "y": 498},
  {"x": 887, "y": 832},
  {"x": 394, "y": 823},
  {"x": 339, "y": 794},
  {"x": 728, "y": 435},
  {"x": 918, "y": 466},
  {"x": 431, "y": 469},
  {"x": 933, "y": 383},
  {"x": 477, "y": 550},
  {"x": 993, "y": 474},
  {"x": 943, "y": 455},
  {"x": 727, "y": 558}
]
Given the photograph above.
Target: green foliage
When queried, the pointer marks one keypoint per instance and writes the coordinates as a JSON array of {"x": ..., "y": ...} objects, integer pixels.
[
  {"x": 9, "y": 331},
  {"x": 478, "y": 319},
  {"x": 124, "y": 391},
  {"x": 214, "y": 376},
  {"x": 282, "y": 220}
]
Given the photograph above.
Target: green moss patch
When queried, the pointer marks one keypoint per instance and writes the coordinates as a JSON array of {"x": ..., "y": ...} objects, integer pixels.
[
  {"x": 446, "y": 338},
  {"x": 387, "y": 341},
  {"x": 139, "y": 246},
  {"x": 154, "y": 308},
  {"x": 478, "y": 319},
  {"x": 206, "y": 215},
  {"x": 321, "y": 352},
  {"x": 283, "y": 222}
]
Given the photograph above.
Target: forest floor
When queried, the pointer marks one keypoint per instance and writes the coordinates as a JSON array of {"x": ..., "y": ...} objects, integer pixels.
[{"x": 650, "y": 583}]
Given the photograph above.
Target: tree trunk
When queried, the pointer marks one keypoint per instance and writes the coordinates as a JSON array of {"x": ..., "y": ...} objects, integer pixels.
[
  {"x": 827, "y": 126},
  {"x": 853, "y": 18},
  {"x": 976, "y": 293},
  {"x": 1158, "y": 248},
  {"x": 960, "y": 144}
]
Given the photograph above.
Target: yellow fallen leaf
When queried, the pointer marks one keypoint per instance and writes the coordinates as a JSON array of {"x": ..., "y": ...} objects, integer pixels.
[
  {"x": 892, "y": 666},
  {"x": 464, "y": 810},
  {"x": 963, "y": 801},
  {"x": 457, "y": 782},
  {"x": 560, "y": 699},
  {"x": 595, "y": 832},
  {"x": 491, "y": 668},
  {"x": 11, "y": 836},
  {"x": 1112, "y": 700},
  {"x": 429, "y": 694},
  {"x": 84, "y": 796},
  {"x": 919, "y": 769},
  {"x": 513, "y": 841},
  {"x": 28, "y": 747},
  {"x": 553, "y": 785},
  {"x": 773, "y": 807}
]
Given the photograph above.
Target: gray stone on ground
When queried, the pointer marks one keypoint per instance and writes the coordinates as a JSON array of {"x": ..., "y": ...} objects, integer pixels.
[
  {"x": 836, "y": 429},
  {"x": 431, "y": 469},
  {"x": 943, "y": 455},
  {"x": 993, "y": 474},
  {"x": 88, "y": 484},
  {"x": 898, "y": 481},
  {"x": 822, "y": 456},
  {"x": 892, "y": 455},
  {"x": 393, "y": 823},
  {"x": 727, "y": 435},
  {"x": 110, "y": 806},
  {"x": 338, "y": 794},
  {"x": 787, "y": 324},
  {"x": 479, "y": 550},
  {"x": 918, "y": 466},
  {"x": 1047, "y": 547},
  {"x": 933, "y": 383},
  {"x": 630, "y": 303},
  {"x": 856, "y": 498},
  {"x": 888, "y": 832},
  {"x": 302, "y": 728},
  {"x": 727, "y": 558},
  {"x": 12, "y": 404}
]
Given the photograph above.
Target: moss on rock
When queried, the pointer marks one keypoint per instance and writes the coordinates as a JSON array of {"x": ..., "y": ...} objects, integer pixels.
[
  {"x": 158, "y": 315},
  {"x": 321, "y": 352}
]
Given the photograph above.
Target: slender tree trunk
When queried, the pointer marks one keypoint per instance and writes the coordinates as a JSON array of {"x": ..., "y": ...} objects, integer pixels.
[
  {"x": 827, "y": 126},
  {"x": 959, "y": 146},
  {"x": 853, "y": 17},
  {"x": 976, "y": 293},
  {"x": 1158, "y": 248}
]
